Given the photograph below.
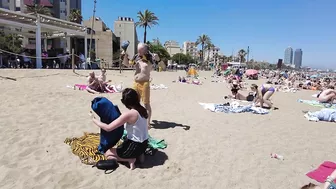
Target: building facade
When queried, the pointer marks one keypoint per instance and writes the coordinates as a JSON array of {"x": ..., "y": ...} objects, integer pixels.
[
  {"x": 125, "y": 29},
  {"x": 288, "y": 58},
  {"x": 190, "y": 48},
  {"x": 59, "y": 9},
  {"x": 211, "y": 54},
  {"x": 106, "y": 45},
  {"x": 172, "y": 47},
  {"x": 298, "y": 58}
]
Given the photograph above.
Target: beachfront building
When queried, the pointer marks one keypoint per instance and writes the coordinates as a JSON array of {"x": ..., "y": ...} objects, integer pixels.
[
  {"x": 190, "y": 48},
  {"x": 211, "y": 54},
  {"x": 125, "y": 29},
  {"x": 172, "y": 47},
  {"x": 298, "y": 58},
  {"x": 288, "y": 58},
  {"x": 41, "y": 28},
  {"x": 104, "y": 42},
  {"x": 59, "y": 8}
]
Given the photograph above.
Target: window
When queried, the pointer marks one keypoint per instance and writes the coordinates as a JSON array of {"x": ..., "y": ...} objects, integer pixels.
[
  {"x": 119, "y": 25},
  {"x": 119, "y": 33}
]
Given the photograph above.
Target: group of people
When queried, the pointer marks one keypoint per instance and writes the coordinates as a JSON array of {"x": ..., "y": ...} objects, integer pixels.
[
  {"x": 99, "y": 84},
  {"x": 137, "y": 118},
  {"x": 260, "y": 96}
]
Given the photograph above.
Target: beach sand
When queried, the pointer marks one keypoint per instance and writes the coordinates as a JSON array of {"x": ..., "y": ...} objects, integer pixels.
[{"x": 219, "y": 150}]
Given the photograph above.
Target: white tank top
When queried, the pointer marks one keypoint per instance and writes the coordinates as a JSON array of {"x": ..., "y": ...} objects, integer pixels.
[{"x": 137, "y": 132}]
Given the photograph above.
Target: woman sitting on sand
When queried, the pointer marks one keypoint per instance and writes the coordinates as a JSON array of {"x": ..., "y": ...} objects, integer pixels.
[
  {"x": 93, "y": 84},
  {"x": 135, "y": 121},
  {"x": 263, "y": 94}
]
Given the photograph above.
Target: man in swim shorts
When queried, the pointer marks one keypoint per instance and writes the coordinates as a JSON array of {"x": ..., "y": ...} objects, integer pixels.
[{"x": 143, "y": 62}]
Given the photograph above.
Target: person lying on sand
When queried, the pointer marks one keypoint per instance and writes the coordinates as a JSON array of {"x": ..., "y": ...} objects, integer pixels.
[
  {"x": 238, "y": 96},
  {"x": 327, "y": 96},
  {"x": 263, "y": 94},
  {"x": 328, "y": 184},
  {"x": 135, "y": 120}
]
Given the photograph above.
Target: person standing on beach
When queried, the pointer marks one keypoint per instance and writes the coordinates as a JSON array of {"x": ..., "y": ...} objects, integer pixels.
[{"x": 143, "y": 62}]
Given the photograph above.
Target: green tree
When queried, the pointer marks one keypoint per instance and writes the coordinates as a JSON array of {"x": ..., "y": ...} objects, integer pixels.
[
  {"x": 75, "y": 16},
  {"x": 181, "y": 58},
  {"x": 241, "y": 54},
  {"x": 156, "y": 47},
  {"x": 147, "y": 19},
  {"x": 11, "y": 42},
  {"x": 203, "y": 40},
  {"x": 37, "y": 8}
]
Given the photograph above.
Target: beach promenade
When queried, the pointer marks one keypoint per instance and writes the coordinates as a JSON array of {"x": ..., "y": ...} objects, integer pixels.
[{"x": 205, "y": 149}]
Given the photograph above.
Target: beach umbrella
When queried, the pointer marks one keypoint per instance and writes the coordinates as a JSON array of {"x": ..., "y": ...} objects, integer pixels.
[
  {"x": 313, "y": 76},
  {"x": 251, "y": 72}
]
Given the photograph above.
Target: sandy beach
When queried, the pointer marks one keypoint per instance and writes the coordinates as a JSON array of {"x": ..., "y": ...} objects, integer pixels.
[{"x": 219, "y": 150}]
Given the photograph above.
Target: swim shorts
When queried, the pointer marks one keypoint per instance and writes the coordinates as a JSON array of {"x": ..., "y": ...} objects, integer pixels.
[{"x": 143, "y": 89}]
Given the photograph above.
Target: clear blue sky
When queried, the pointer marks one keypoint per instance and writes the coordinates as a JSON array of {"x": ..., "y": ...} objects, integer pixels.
[{"x": 267, "y": 26}]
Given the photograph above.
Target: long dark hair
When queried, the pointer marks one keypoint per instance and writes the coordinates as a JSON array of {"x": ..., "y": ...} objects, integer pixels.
[{"x": 131, "y": 100}]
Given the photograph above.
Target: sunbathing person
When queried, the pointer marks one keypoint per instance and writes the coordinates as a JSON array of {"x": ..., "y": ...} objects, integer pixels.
[
  {"x": 135, "y": 120},
  {"x": 327, "y": 96},
  {"x": 93, "y": 84},
  {"x": 238, "y": 96},
  {"x": 104, "y": 85},
  {"x": 263, "y": 94}
]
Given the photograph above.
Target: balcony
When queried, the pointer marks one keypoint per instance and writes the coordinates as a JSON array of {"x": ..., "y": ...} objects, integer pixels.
[{"x": 45, "y": 3}]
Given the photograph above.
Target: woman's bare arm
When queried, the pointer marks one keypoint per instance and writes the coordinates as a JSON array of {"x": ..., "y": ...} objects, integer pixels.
[{"x": 120, "y": 121}]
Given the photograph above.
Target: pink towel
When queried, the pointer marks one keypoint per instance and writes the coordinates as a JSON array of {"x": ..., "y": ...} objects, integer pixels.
[
  {"x": 81, "y": 87},
  {"x": 322, "y": 172}
]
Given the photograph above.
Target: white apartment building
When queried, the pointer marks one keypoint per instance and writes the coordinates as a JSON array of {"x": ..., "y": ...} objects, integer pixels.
[
  {"x": 125, "y": 30},
  {"x": 172, "y": 47},
  {"x": 190, "y": 48},
  {"x": 209, "y": 54}
]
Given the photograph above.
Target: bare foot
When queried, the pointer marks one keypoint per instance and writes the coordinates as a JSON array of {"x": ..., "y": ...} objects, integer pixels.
[{"x": 132, "y": 163}]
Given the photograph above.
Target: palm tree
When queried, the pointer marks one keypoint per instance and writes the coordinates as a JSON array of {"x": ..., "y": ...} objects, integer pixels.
[
  {"x": 76, "y": 17},
  {"x": 37, "y": 8},
  {"x": 146, "y": 19},
  {"x": 203, "y": 40},
  {"x": 241, "y": 54}
]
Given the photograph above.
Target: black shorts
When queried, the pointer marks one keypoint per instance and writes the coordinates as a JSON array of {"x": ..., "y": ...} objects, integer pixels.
[{"x": 130, "y": 149}]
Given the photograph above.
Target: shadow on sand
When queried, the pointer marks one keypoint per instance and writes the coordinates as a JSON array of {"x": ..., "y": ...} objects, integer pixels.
[
  {"x": 159, "y": 158},
  {"x": 165, "y": 125}
]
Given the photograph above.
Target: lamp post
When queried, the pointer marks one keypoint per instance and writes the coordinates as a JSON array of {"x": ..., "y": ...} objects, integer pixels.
[{"x": 92, "y": 25}]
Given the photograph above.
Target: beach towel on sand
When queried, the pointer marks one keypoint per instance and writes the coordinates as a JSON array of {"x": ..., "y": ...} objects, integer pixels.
[
  {"x": 107, "y": 113},
  {"x": 322, "y": 172},
  {"x": 226, "y": 108},
  {"x": 317, "y": 103},
  {"x": 83, "y": 87},
  {"x": 86, "y": 147}
]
